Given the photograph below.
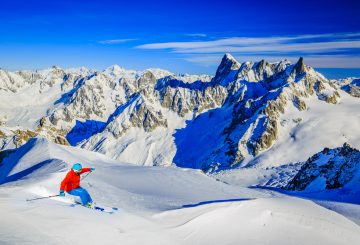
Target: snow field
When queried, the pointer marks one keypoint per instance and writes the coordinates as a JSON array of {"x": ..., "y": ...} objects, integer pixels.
[{"x": 156, "y": 206}]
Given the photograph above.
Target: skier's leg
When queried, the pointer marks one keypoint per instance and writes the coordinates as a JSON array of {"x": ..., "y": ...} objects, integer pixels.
[
  {"x": 86, "y": 196},
  {"x": 83, "y": 194},
  {"x": 76, "y": 192}
]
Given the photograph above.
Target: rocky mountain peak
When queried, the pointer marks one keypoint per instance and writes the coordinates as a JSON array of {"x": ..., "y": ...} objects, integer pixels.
[
  {"x": 262, "y": 64},
  {"x": 227, "y": 65},
  {"x": 300, "y": 67},
  {"x": 228, "y": 56},
  {"x": 55, "y": 67}
]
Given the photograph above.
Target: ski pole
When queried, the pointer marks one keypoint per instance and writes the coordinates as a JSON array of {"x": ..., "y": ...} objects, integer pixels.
[
  {"x": 86, "y": 175},
  {"x": 28, "y": 200}
]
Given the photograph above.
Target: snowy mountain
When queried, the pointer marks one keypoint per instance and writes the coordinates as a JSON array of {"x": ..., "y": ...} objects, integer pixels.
[
  {"x": 249, "y": 114},
  {"x": 234, "y": 119},
  {"x": 350, "y": 85}
]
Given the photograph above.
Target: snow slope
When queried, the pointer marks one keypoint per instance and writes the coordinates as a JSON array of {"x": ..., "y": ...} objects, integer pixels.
[{"x": 157, "y": 206}]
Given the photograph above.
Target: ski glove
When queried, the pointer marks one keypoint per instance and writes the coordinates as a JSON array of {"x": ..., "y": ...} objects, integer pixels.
[
  {"x": 92, "y": 169},
  {"x": 62, "y": 193}
]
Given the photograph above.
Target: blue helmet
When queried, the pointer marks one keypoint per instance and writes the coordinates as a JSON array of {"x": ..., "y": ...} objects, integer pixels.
[{"x": 77, "y": 167}]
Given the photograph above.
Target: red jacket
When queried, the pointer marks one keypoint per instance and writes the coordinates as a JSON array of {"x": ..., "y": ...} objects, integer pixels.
[{"x": 72, "y": 180}]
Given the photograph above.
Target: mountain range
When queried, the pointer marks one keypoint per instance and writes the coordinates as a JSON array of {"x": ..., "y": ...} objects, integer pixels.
[{"x": 251, "y": 114}]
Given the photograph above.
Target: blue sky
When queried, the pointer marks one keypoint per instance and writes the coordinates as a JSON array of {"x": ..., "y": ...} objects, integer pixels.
[{"x": 181, "y": 36}]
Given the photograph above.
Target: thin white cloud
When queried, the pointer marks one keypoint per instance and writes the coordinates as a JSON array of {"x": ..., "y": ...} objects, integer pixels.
[
  {"x": 301, "y": 43},
  {"x": 116, "y": 41},
  {"x": 206, "y": 60},
  {"x": 211, "y": 44},
  {"x": 196, "y": 35},
  {"x": 333, "y": 61},
  {"x": 311, "y": 47},
  {"x": 316, "y": 48},
  {"x": 318, "y": 61}
]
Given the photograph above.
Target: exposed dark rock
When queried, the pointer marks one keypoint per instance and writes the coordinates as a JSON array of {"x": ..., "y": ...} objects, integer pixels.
[
  {"x": 299, "y": 104},
  {"x": 185, "y": 98},
  {"x": 354, "y": 91},
  {"x": 300, "y": 67},
  {"x": 146, "y": 119},
  {"x": 333, "y": 99},
  {"x": 147, "y": 79},
  {"x": 337, "y": 167},
  {"x": 42, "y": 121},
  {"x": 352, "y": 87},
  {"x": 61, "y": 140}
]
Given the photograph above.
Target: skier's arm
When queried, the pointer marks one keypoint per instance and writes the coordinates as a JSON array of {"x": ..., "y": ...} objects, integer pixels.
[{"x": 84, "y": 170}]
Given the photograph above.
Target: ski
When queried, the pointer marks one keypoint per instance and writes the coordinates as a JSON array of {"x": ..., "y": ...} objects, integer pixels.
[{"x": 98, "y": 208}]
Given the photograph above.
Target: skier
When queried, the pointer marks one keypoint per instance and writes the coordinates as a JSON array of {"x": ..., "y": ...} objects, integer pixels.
[{"x": 71, "y": 184}]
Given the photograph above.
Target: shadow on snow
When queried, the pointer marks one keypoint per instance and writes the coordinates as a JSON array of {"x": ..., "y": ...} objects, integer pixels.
[
  {"x": 28, "y": 171},
  {"x": 215, "y": 201},
  {"x": 344, "y": 195}
]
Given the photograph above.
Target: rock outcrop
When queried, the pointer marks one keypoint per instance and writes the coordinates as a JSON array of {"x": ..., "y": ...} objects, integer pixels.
[
  {"x": 328, "y": 169},
  {"x": 351, "y": 86}
]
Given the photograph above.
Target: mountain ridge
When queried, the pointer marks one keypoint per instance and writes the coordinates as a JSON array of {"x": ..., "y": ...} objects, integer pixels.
[{"x": 244, "y": 103}]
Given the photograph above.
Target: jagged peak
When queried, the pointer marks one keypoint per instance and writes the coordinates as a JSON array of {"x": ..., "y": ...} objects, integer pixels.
[
  {"x": 284, "y": 62},
  {"x": 227, "y": 65},
  {"x": 262, "y": 64},
  {"x": 300, "y": 67},
  {"x": 228, "y": 58},
  {"x": 55, "y": 67}
]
